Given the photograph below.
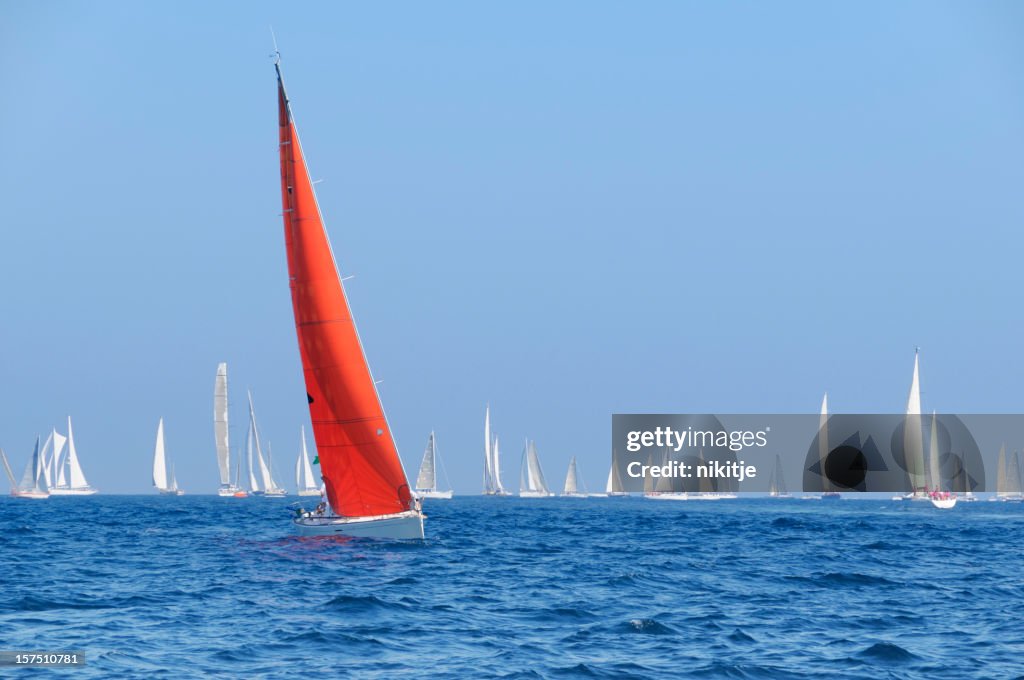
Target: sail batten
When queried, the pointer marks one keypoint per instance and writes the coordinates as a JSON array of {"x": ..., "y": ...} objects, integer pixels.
[{"x": 359, "y": 461}]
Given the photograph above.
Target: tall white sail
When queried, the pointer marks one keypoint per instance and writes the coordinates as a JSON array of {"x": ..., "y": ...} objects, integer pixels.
[
  {"x": 499, "y": 488},
  {"x": 572, "y": 480},
  {"x": 265, "y": 477},
  {"x": 220, "y": 423},
  {"x": 427, "y": 478},
  {"x": 253, "y": 482},
  {"x": 913, "y": 435},
  {"x": 533, "y": 481},
  {"x": 59, "y": 460},
  {"x": 608, "y": 488},
  {"x": 488, "y": 473},
  {"x": 44, "y": 460},
  {"x": 78, "y": 480},
  {"x": 174, "y": 479},
  {"x": 28, "y": 478},
  {"x": 159, "y": 459},
  {"x": 309, "y": 481}
]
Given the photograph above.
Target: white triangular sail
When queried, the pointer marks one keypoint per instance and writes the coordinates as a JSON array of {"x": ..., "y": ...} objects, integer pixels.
[
  {"x": 44, "y": 460},
  {"x": 220, "y": 423},
  {"x": 59, "y": 459},
  {"x": 499, "y": 488},
  {"x": 913, "y": 435},
  {"x": 427, "y": 478},
  {"x": 304, "y": 480},
  {"x": 77, "y": 480},
  {"x": 174, "y": 479},
  {"x": 159, "y": 459},
  {"x": 34, "y": 479},
  {"x": 534, "y": 475},
  {"x": 265, "y": 477},
  {"x": 253, "y": 482},
  {"x": 572, "y": 481},
  {"x": 934, "y": 478},
  {"x": 488, "y": 472}
]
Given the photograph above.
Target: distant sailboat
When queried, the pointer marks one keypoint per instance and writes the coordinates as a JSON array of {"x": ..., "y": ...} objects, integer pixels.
[
  {"x": 492, "y": 461},
  {"x": 531, "y": 476},
  {"x": 367, "y": 490},
  {"x": 613, "y": 487},
  {"x": 268, "y": 487},
  {"x": 160, "y": 480},
  {"x": 75, "y": 484},
  {"x": 777, "y": 485},
  {"x": 913, "y": 439},
  {"x": 305, "y": 482},
  {"x": 824, "y": 448},
  {"x": 220, "y": 433},
  {"x": 33, "y": 482},
  {"x": 426, "y": 481},
  {"x": 573, "y": 482}
]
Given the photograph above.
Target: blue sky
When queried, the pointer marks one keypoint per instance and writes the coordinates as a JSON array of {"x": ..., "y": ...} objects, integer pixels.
[{"x": 565, "y": 210}]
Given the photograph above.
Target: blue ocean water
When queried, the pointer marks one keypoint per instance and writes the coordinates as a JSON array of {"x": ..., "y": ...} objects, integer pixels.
[{"x": 548, "y": 588}]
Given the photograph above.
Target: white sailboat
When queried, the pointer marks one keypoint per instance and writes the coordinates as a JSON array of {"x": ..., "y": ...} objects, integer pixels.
[
  {"x": 426, "y": 481},
  {"x": 573, "y": 482},
  {"x": 492, "y": 461},
  {"x": 267, "y": 484},
  {"x": 531, "y": 476},
  {"x": 777, "y": 485},
  {"x": 160, "y": 480},
  {"x": 76, "y": 483},
  {"x": 305, "y": 482},
  {"x": 824, "y": 449},
  {"x": 913, "y": 439},
  {"x": 220, "y": 434},
  {"x": 613, "y": 487},
  {"x": 33, "y": 482}
]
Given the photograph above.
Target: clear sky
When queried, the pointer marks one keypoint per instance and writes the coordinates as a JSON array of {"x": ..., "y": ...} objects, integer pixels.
[{"x": 563, "y": 209}]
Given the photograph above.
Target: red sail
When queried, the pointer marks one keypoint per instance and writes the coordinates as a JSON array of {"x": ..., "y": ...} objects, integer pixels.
[{"x": 358, "y": 457}]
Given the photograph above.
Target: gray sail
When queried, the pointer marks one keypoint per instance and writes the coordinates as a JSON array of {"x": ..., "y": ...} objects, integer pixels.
[
  {"x": 571, "y": 486},
  {"x": 426, "y": 481},
  {"x": 220, "y": 423},
  {"x": 1013, "y": 486},
  {"x": 536, "y": 475},
  {"x": 34, "y": 478},
  {"x": 778, "y": 482}
]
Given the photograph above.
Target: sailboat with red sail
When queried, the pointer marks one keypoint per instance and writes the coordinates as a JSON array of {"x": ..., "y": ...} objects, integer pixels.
[{"x": 367, "y": 491}]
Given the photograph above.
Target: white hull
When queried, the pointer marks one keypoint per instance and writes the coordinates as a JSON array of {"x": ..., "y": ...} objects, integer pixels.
[
  {"x": 711, "y": 496},
  {"x": 228, "y": 492},
  {"x": 496, "y": 493},
  {"x": 667, "y": 496},
  {"x": 87, "y": 491},
  {"x": 171, "y": 492},
  {"x": 443, "y": 495},
  {"x": 34, "y": 495},
  {"x": 402, "y": 525},
  {"x": 277, "y": 493},
  {"x": 535, "y": 494},
  {"x": 616, "y": 494},
  {"x": 574, "y": 495},
  {"x": 943, "y": 503},
  {"x": 310, "y": 492}
]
